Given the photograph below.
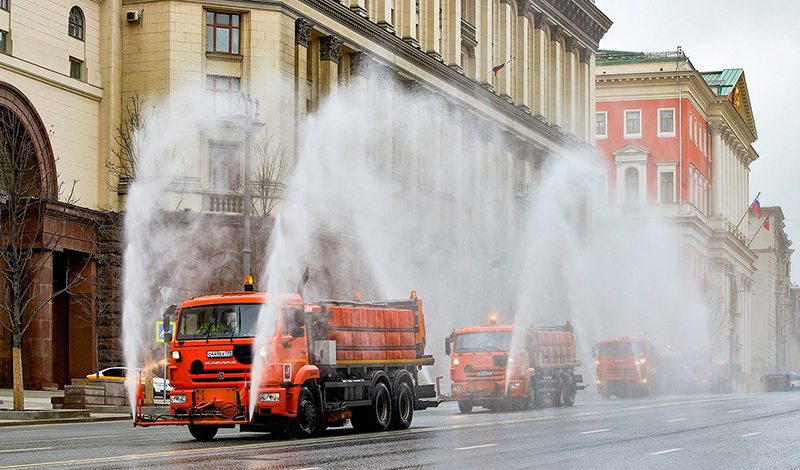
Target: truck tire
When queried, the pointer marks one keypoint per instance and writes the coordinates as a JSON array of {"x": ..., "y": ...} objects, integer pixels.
[
  {"x": 378, "y": 415},
  {"x": 306, "y": 423},
  {"x": 203, "y": 433},
  {"x": 465, "y": 407},
  {"x": 402, "y": 407},
  {"x": 570, "y": 392},
  {"x": 532, "y": 401},
  {"x": 605, "y": 394},
  {"x": 560, "y": 395}
]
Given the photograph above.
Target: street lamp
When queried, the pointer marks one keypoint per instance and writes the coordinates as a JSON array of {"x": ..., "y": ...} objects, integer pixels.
[{"x": 251, "y": 119}]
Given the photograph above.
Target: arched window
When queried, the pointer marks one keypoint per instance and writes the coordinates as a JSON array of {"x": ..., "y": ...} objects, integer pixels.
[
  {"x": 76, "y": 23},
  {"x": 631, "y": 186}
]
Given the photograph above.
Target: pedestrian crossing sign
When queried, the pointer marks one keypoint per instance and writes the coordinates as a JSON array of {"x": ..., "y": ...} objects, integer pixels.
[{"x": 160, "y": 330}]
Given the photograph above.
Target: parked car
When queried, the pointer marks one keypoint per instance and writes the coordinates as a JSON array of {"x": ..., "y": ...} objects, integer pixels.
[{"x": 119, "y": 373}]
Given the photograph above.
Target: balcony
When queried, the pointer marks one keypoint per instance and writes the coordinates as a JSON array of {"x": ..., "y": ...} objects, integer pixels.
[
  {"x": 223, "y": 202},
  {"x": 468, "y": 33}
]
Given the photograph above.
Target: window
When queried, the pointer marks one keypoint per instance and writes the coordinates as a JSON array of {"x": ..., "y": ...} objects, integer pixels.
[
  {"x": 667, "y": 187},
  {"x": 705, "y": 142},
  {"x": 633, "y": 123},
  {"x": 691, "y": 120},
  {"x": 600, "y": 129},
  {"x": 631, "y": 186},
  {"x": 76, "y": 23},
  {"x": 75, "y": 68},
  {"x": 3, "y": 41},
  {"x": 666, "y": 123},
  {"x": 223, "y": 159},
  {"x": 224, "y": 94},
  {"x": 222, "y": 33},
  {"x": 4, "y": 5}
]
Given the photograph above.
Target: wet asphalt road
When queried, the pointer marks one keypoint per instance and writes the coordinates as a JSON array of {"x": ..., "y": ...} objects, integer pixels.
[{"x": 689, "y": 432}]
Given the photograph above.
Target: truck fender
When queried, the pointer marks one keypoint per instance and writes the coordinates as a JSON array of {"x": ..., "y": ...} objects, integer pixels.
[
  {"x": 307, "y": 372},
  {"x": 402, "y": 376},
  {"x": 379, "y": 376},
  {"x": 529, "y": 373}
]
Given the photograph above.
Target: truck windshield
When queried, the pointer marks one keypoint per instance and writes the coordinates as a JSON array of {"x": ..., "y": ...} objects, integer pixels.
[
  {"x": 483, "y": 341},
  {"x": 219, "y": 321},
  {"x": 622, "y": 348}
]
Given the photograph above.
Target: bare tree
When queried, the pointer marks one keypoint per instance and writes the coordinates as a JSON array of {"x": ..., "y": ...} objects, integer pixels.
[
  {"x": 270, "y": 168},
  {"x": 124, "y": 167},
  {"x": 26, "y": 240}
]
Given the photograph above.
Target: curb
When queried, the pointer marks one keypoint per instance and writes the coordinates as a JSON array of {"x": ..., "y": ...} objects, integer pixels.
[{"x": 38, "y": 422}]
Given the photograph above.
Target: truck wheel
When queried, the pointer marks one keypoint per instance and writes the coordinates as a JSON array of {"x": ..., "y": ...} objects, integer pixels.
[
  {"x": 569, "y": 397},
  {"x": 465, "y": 407},
  {"x": 605, "y": 394},
  {"x": 532, "y": 401},
  {"x": 559, "y": 396},
  {"x": 203, "y": 433},
  {"x": 307, "y": 421},
  {"x": 381, "y": 415},
  {"x": 403, "y": 407}
]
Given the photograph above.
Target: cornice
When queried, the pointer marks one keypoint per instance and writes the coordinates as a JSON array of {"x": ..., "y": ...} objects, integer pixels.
[{"x": 580, "y": 18}]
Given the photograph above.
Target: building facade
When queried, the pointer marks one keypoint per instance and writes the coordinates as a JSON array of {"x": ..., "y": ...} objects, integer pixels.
[
  {"x": 74, "y": 68},
  {"x": 676, "y": 143},
  {"x": 774, "y": 331}
]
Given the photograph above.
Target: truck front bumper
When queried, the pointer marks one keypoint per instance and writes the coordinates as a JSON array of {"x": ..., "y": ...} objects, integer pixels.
[{"x": 486, "y": 390}]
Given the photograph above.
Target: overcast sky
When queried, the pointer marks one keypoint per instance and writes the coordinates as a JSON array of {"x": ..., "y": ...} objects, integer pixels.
[{"x": 761, "y": 37}]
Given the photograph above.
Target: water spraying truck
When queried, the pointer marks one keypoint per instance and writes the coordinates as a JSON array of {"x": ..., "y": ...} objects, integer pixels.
[
  {"x": 625, "y": 367},
  {"x": 325, "y": 363},
  {"x": 486, "y": 372}
]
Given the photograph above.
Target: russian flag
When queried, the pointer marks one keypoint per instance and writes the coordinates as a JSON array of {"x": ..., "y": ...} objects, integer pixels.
[
  {"x": 497, "y": 68},
  {"x": 757, "y": 207}
]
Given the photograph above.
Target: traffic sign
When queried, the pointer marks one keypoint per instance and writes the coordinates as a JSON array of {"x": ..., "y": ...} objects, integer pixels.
[{"x": 160, "y": 330}]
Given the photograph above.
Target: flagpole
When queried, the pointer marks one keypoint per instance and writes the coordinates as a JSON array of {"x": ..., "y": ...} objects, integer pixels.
[
  {"x": 748, "y": 209},
  {"x": 504, "y": 64},
  {"x": 759, "y": 229}
]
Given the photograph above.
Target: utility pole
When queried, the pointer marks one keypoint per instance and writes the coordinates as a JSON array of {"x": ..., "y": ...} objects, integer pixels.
[{"x": 251, "y": 117}]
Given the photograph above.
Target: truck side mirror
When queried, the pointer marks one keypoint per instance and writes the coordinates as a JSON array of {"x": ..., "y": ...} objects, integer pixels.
[
  {"x": 447, "y": 345},
  {"x": 297, "y": 332},
  {"x": 594, "y": 350},
  {"x": 167, "y": 313}
]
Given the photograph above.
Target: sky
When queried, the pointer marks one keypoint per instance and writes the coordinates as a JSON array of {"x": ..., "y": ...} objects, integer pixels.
[{"x": 760, "y": 37}]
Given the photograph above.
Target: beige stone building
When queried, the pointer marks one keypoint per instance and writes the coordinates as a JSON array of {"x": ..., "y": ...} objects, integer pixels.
[
  {"x": 774, "y": 326},
  {"x": 71, "y": 66}
]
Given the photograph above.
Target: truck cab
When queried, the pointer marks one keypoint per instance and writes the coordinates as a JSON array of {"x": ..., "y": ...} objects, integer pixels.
[{"x": 626, "y": 367}]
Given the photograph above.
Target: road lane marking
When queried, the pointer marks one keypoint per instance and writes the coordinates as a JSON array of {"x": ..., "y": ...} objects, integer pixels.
[
  {"x": 215, "y": 450},
  {"x": 595, "y": 431},
  {"x": 24, "y": 450},
  {"x": 666, "y": 451},
  {"x": 751, "y": 434},
  {"x": 734, "y": 411},
  {"x": 310, "y": 468},
  {"x": 476, "y": 447},
  {"x": 779, "y": 404},
  {"x": 676, "y": 420}
]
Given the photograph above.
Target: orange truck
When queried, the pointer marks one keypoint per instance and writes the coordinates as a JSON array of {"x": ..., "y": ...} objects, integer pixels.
[
  {"x": 326, "y": 362},
  {"x": 485, "y": 372},
  {"x": 625, "y": 367}
]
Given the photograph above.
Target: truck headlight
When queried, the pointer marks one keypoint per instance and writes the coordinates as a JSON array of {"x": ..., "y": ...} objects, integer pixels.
[
  {"x": 262, "y": 352},
  {"x": 457, "y": 388},
  {"x": 176, "y": 355},
  {"x": 514, "y": 385},
  {"x": 455, "y": 362},
  {"x": 177, "y": 399},
  {"x": 269, "y": 397}
]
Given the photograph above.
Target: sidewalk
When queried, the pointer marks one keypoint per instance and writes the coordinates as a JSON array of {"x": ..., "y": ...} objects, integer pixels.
[{"x": 38, "y": 410}]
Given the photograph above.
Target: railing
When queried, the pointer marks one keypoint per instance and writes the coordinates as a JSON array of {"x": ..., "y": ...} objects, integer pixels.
[
  {"x": 468, "y": 33},
  {"x": 229, "y": 203}
]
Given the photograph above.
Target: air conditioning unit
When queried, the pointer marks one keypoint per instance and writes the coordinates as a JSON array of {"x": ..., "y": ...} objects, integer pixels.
[{"x": 133, "y": 16}]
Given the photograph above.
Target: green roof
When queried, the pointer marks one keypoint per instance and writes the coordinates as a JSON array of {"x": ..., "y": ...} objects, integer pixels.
[
  {"x": 612, "y": 57},
  {"x": 722, "y": 82}
]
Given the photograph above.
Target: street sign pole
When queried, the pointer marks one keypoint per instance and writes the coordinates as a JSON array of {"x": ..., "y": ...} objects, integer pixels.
[{"x": 166, "y": 359}]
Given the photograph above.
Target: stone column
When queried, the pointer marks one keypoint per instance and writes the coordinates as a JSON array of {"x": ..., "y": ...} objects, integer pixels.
[
  {"x": 570, "y": 86},
  {"x": 451, "y": 40},
  {"x": 716, "y": 167},
  {"x": 429, "y": 28},
  {"x": 483, "y": 52},
  {"x": 503, "y": 78},
  {"x": 592, "y": 98},
  {"x": 539, "y": 67},
  {"x": 302, "y": 33},
  {"x": 407, "y": 22},
  {"x": 37, "y": 345},
  {"x": 523, "y": 68},
  {"x": 384, "y": 13},
  {"x": 586, "y": 110},
  {"x": 330, "y": 51},
  {"x": 556, "y": 91}
]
